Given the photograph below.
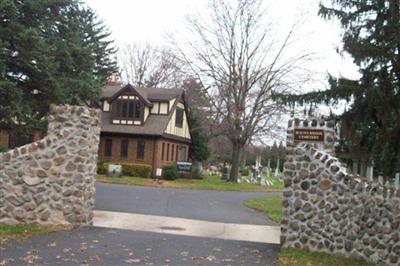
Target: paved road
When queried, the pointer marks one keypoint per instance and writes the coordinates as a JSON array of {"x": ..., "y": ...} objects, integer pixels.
[
  {"x": 100, "y": 246},
  {"x": 215, "y": 206}
]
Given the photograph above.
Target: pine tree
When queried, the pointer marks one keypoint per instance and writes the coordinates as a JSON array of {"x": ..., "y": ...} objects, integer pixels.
[
  {"x": 50, "y": 52},
  {"x": 371, "y": 36},
  {"x": 199, "y": 150}
]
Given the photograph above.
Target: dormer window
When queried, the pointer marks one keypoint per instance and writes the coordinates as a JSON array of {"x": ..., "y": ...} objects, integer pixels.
[{"x": 128, "y": 109}]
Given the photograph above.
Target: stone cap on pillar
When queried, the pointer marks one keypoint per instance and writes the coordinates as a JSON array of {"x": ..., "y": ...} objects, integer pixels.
[{"x": 316, "y": 131}]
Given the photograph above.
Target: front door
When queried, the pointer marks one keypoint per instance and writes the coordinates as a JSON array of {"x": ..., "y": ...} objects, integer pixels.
[{"x": 181, "y": 153}]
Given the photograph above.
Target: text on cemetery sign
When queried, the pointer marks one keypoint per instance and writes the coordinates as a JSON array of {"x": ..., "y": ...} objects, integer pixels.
[{"x": 308, "y": 135}]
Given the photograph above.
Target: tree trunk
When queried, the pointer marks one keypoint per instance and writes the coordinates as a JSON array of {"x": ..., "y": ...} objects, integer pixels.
[
  {"x": 243, "y": 158},
  {"x": 236, "y": 150}
]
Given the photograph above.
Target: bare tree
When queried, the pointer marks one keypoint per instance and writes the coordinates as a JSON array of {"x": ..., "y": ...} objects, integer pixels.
[
  {"x": 144, "y": 65},
  {"x": 240, "y": 63}
]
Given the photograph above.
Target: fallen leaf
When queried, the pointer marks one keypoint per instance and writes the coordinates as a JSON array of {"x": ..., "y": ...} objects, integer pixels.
[
  {"x": 210, "y": 258},
  {"x": 66, "y": 250},
  {"x": 132, "y": 261},
  {"x": 184, "y": 253},
  {"x": 52, "y": 244}
]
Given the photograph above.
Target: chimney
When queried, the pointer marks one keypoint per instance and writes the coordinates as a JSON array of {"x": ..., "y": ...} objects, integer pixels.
[{"x": 113, "y": 80}]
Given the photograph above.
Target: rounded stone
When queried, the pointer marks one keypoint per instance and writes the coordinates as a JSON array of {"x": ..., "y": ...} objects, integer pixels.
[
  {"x": 41, "y": 173},
  {"x": 287, "y": 193},
  {"x": 32, "y": 181},
  {"x": 305, "y": 185},
  {"x": 325, "y": 184},
  {"x": 297, "y": 204},
  {"x": 70, "y": 167},
  {"x": 307, "y": 207}
]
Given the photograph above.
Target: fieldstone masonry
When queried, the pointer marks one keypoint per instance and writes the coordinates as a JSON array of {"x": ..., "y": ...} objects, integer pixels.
[
  {"x": 328, "y": 209},
  {"x": 51, "y": 181}
]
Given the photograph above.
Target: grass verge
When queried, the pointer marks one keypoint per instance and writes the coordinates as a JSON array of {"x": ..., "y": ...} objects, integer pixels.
[
  {"x": 296, "y": 257},
  {"x": 26, "y": 230},
  {"x": 272, "y": 206},
  {"x": 208, "y": 183}
]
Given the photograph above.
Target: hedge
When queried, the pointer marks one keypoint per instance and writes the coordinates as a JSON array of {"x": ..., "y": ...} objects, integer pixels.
[
  {"x": 128, "y": 169},
  {"x": 137, "y": 170}
]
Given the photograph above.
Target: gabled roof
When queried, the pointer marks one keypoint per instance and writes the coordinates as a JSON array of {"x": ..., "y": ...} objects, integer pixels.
[
  {"x": 155, "y": 124},
  {"x": 147, "y": 94},
  {"x": 129, "y": 89}
]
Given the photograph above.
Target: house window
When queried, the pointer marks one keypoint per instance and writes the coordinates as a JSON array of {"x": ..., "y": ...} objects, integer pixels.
[
  {"x": 163, "y": 151},
  {"x": 108, "y": 148},
  {"x": 179, "y": 117},
  {"x": 168, "y": 152},
  {"x": 140, "y": 150},
  {"x": 128, "y": 109},
  {"x": 172, "y": 152},
  {"x": 124, "y": 148}
]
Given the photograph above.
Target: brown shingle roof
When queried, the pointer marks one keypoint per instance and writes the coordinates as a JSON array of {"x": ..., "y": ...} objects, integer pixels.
[
  {"x": 150, "y": 94},
  {"x": 154, "y": 125}
]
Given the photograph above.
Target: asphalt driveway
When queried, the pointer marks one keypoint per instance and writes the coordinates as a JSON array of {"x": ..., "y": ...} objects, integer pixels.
[
  {"x": 214, "y": 206},
  {"x": 116, "y": 246},
  {"x": 101, "y": 246}
]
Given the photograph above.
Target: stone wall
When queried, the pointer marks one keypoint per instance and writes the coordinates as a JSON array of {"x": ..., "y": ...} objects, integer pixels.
[
  {"x": 328, "y": 209},
  {"x": 51, "y": 181}
]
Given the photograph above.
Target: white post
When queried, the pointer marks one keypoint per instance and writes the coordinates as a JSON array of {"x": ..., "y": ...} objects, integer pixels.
[
  {"x": 277, "y": 168},
  {"x": 380, "y": 180},
  {"x": 370, "y": 171},
  {"x": 397, "y": 180}
]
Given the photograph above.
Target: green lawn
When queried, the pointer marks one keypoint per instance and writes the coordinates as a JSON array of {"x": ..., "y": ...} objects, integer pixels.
[
  {"x": 272, "y": 206},
  {"x": 295, "y": 257},
  {"x": 208, "y": 183},
  {"x": 23, "y": 230}
]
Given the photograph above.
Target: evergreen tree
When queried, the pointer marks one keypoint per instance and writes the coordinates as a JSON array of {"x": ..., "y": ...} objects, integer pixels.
[
  {"x": 371, "y": 35},
  {"x": 50, "y": 52},
  {"x": 199, "y": 150}
]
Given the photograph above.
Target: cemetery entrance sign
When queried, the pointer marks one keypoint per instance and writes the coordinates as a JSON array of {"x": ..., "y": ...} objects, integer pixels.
[{"x": 301, "y": 134}]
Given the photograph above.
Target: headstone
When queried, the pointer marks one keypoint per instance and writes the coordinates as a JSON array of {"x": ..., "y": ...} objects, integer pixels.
[
  {"x": 114, "y": 170},
  {"x": 396, "y": 181}
]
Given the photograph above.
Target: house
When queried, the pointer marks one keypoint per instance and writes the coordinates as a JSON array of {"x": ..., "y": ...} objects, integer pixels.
[
  {"x": 11, "y": 139},
  {"x": 144, "y": 125}
]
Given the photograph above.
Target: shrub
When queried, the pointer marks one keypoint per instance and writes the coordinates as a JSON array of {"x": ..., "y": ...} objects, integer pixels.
[
  {"x": 245, "y": 172},
  {"x": 2, "y": 149},
  {"x": 102, "y": 168},
  {"x": 137, "y": 170},
  {"x": 170, "y": 172}
]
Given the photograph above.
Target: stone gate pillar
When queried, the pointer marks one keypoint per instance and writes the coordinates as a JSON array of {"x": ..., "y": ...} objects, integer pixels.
[{"x": 51, "y": 181}]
